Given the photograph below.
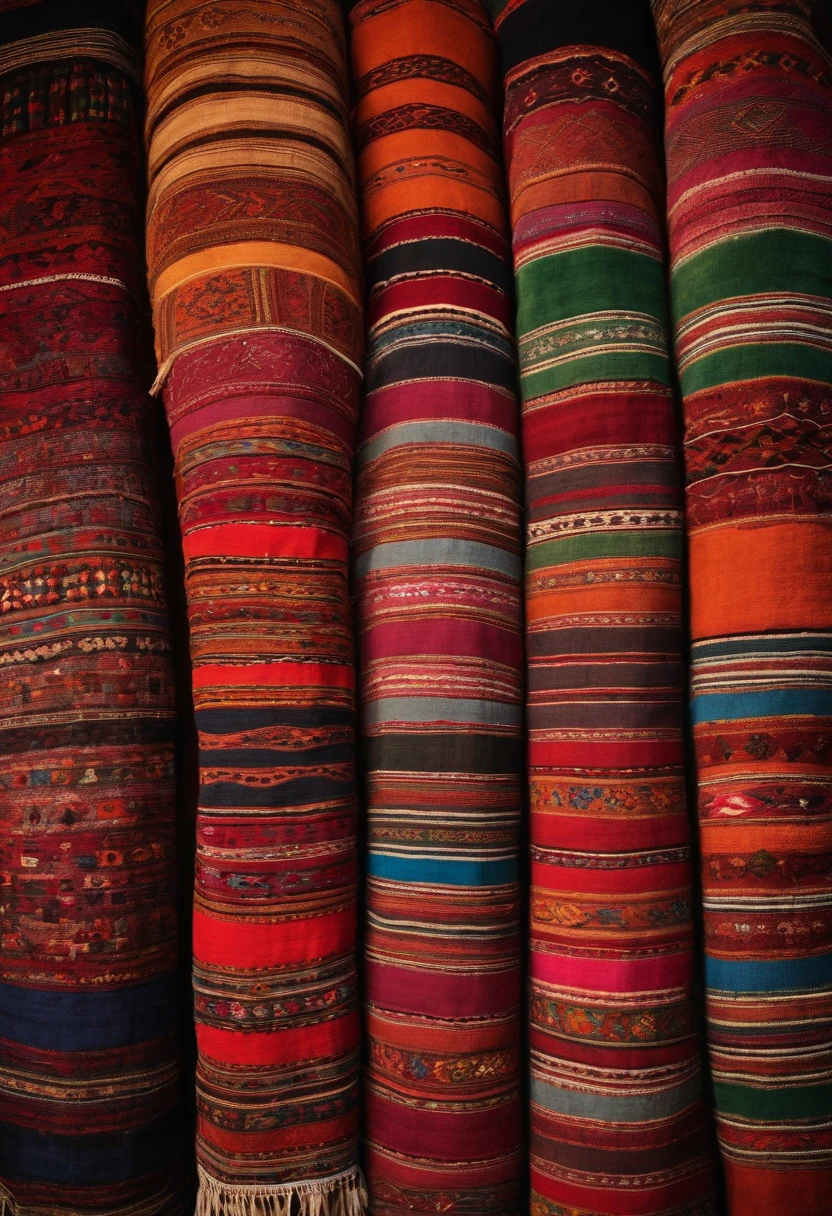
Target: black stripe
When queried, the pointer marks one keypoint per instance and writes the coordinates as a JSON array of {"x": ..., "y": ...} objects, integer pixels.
[
  {"x": 540, "y": 26},
  {"x": 657, "y": 639},
  {"x": 439, "y": 255},
  {"x": 446, "y": 753},
  {"x": 439, "y": 360},
  {"x": 230, "y": 721},
  {"x": 300, "y": 792},
  {"x": 54, "y": 16},
  {"x": 260, "y": 757}
]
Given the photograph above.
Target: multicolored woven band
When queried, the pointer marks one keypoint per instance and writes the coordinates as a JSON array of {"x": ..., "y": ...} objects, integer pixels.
[
  {"x": 617, "y": 1122},
  {"x": 749, "y": 116},
  {"x": 90, "y": 1116},
  {"x": 436, "y": 565},
  {"x": 256, "y": 287}
]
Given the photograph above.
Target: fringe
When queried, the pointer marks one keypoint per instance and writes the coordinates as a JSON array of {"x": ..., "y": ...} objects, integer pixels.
[
  {"x": 338, "y": 1195},
  {"x": 8, "y": 1207}
]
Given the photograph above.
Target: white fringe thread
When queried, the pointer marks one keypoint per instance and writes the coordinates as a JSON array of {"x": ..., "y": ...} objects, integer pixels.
[
  {"x": 338, "y": 1195},
  {"x": 8, "y": 1207}
]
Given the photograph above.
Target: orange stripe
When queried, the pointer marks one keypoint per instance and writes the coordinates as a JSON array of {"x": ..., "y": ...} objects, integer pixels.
[
  {"x": 422, "y": 144},
  {"x": 259, "y": 1048},
  {"x": 264, "y": 540},
  {"x": 380, "y": 100},
  {"x": 758, "y": 577},
  {"x": 813, "y": 838},
  {"x": 249, "y": 943},
  {"x": 431, "y": 190},
  {"x": 580, "y": 187},
  {"x": 423, "y": 28},
  {"x": 274, "y": 675},
  {"x": 613, "y": 597}
]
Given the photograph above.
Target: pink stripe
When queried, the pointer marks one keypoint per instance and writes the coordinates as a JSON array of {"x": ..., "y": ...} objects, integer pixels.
[
  {"x": 230, "y": 408},
  {"x": 431, "y": 635},
  {"x": 612, "y": 975},
  {"x": 437, "y": 399}
]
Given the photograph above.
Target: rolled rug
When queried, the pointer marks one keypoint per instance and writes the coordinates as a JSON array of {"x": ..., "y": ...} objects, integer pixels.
[
  {"x": 436, "y": 566},
  {"x": 90, "y": 1106},
  {"x": 617, "y": 1120},
  {"x": 255, "y": 282},
  {"x": 748, "y": 93}
]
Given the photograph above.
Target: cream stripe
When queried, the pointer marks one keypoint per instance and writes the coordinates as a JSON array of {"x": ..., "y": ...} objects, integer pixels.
[{"x": 253, "y": 111}]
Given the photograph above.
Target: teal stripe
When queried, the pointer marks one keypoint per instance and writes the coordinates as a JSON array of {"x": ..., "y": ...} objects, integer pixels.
[
  {"x": 652, "y": 543},
  {"x": 775, "y": 260},
  {"x": 616, "y": 1108},
  {"x": 753, "y": 1102}
]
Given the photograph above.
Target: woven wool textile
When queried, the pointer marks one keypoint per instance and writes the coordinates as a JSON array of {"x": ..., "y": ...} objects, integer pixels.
[
  {"x": 617, "y": 1122},
  {"x": 255, "y": 283},
  {"x": 437, "y": 584},
  {"x": 749, "y": 154},
  {"x": 89, "y": 1090}
]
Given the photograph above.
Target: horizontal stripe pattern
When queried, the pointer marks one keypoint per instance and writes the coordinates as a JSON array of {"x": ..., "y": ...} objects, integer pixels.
[{"x": 748, "y": 114}]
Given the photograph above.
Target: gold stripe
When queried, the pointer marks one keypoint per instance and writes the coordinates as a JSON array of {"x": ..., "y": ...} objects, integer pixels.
[{"x": 252, "y": 253}]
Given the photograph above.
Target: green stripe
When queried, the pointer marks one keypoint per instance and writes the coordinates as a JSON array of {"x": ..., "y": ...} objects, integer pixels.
[
  {"x": 808, "y": 1102},
  {"x": 754, "y": 362},
  {"x": 637, "y": 365},
  {"x": 598, "y": 278},
  {"x": 644, "y": 543},
  {"x": 777, "y": 260}
]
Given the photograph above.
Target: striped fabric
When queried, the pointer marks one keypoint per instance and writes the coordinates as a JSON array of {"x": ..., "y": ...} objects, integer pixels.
[
  {"x": 617, "y": 1123},
  {"x": 437, "y": 583},
  {"x": 255, "y": 282},
  {"x": 90, "y": 1114},
  {"x": 749, "y": 152}
]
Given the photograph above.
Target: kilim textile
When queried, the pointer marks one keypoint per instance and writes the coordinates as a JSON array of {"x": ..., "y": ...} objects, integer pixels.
[
  {"x": 255, "y": 281},
  {"x": 437, "y": 582},
  {"x": 749, "y": 154},
  {"x": 617, "y": 1122},
  {"x": 90, "y": 1113}
]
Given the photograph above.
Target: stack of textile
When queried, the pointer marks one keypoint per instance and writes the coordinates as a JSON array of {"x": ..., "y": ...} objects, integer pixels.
[
  {"x": 89, "y": 1087},
  {"x": 749, "y": 155},
  {"x": 617, "y": 1124},
  {"x": 437, "y": 582},
  {"x": 256, "y": 289}
]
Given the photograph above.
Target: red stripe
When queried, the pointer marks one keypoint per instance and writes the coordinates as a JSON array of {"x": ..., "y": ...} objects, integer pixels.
[
  {"x": 572, "y": 832},
  {"x": 264, "y": 540},
  {"x": 437, "y": 994},
  {"x": 275, "y": 408},
  {"x": 626, "y": 1203},
  {"x": 248, "y": 943},
  {"x": 446, "y": 1136},
  {"x": 585, "y": 754},
  {"x": 278, "y": 1139},
  {"x": 274, "y": 675},
  {"x": 325, "y": 1040},
  {"x": 461, "y": 400}
]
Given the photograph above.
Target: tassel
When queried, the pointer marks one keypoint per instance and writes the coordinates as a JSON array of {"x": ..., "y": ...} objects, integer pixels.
[
  {"x": 8, "y": 1207},
  {"x": 338, "y": 1195}
]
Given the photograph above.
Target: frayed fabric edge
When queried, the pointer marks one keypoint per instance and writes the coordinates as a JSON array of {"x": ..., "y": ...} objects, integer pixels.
[{"x": 338, "y": 1195}]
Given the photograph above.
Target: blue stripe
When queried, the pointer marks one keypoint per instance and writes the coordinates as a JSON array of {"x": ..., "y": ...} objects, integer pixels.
[
  {"x": 729, "y": 707},
  {"x": 446, "y": 873},
  {"x": 87, "y": 1021},
  {"x": 775, "y": 975},
  {"x": 35, "y": 1156}
]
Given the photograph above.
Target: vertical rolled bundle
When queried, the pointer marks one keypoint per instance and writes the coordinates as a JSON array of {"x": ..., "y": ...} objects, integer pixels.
[
  {"x": 90, "y": 1114},
  {"x": 255, "y": 282},
  {"x": 617, "y": 1124},
  {"x": 749, "y": 153},
  {"x": 437, "y": 583}
]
